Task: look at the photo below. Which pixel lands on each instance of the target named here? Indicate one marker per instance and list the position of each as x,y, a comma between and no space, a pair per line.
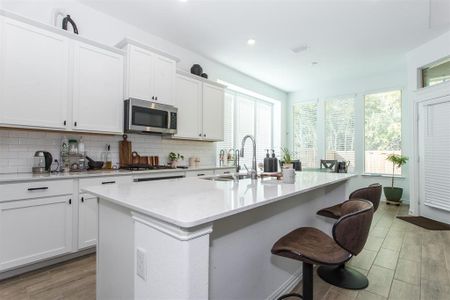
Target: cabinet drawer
199,173
35,189
86,182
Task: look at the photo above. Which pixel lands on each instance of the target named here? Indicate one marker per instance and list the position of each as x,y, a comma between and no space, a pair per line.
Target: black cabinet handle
65,122
75,124
108,182
82,199
153,97
156,98
204,135
201,174
70,201
38,188
226,172
199,134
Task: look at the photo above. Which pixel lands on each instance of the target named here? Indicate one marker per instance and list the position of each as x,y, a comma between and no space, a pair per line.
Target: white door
32,230
87,221
140,67
188,100
434,164
213,112
97,90
164,79
33,76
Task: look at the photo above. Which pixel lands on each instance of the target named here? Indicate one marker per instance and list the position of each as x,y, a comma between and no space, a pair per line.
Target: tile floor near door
402,261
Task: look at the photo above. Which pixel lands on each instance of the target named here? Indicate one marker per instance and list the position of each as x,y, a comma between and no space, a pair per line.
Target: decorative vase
196,70
174,164
393,194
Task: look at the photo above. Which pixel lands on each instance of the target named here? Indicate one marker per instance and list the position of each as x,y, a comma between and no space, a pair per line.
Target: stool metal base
343,277
290,295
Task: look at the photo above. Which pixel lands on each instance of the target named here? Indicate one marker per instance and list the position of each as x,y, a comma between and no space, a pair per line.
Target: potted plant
394,194
174,158
287,159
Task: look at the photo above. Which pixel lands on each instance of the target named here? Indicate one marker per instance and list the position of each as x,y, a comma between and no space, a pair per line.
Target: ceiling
348,39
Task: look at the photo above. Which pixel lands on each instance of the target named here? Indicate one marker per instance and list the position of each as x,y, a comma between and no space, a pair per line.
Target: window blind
305,133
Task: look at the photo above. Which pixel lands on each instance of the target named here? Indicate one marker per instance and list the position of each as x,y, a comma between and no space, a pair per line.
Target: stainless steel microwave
143,116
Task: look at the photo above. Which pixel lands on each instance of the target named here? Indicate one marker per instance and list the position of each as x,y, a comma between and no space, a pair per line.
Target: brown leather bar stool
371,193
312,246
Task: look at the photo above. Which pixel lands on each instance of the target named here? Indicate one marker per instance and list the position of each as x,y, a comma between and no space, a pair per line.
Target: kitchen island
197,238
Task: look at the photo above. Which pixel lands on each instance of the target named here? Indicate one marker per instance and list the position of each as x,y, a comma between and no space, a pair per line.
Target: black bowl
196,70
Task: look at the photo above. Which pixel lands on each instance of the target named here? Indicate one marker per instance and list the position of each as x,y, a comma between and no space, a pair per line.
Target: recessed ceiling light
251,42
314,63
300,48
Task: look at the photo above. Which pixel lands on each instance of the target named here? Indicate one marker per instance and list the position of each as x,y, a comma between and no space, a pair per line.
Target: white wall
427,53
396,79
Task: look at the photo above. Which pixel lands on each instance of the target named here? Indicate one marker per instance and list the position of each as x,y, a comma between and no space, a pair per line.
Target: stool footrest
290,295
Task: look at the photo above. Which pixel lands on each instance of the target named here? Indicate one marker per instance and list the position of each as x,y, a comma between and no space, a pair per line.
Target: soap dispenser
273,162
267,162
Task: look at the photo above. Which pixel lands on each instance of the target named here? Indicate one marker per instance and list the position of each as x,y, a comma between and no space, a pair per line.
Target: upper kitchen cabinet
97,89
34,64
200,104
150,73
53,79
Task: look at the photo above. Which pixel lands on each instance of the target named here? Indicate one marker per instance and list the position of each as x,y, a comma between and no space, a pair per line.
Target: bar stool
371,193
312,246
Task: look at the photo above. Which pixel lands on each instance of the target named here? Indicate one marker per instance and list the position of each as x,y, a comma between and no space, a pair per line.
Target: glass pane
228,143
263,129
382,131
142,116
305,134
438,73
245,124
340,130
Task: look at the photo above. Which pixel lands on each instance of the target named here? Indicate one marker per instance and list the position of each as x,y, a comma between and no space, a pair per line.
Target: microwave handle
169,119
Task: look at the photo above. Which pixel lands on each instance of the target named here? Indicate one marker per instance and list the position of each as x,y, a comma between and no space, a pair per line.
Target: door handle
75,124
38,188
108,182
82,199
70,201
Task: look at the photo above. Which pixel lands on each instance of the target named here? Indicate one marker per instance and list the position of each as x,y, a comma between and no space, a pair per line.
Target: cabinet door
188,95
140,66
97,90
33,76
164,79
213,112
36,229
87,221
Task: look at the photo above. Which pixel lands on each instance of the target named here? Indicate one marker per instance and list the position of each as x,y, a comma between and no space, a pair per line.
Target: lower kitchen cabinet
87,221
34,229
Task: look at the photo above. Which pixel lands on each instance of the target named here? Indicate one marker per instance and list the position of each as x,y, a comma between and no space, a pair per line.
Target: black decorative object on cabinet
196,70
68,19
204,75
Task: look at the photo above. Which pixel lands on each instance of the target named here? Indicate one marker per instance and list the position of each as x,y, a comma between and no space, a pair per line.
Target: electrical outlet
141,263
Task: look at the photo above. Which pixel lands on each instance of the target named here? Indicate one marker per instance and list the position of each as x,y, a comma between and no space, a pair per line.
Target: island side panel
115,248
242,266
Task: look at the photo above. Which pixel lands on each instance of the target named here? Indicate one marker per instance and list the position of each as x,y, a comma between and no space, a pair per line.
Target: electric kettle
42,162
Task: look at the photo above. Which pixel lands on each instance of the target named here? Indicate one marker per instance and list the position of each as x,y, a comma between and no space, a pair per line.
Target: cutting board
125,151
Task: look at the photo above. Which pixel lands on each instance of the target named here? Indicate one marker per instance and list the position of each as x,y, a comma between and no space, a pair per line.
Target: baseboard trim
44,263
287,286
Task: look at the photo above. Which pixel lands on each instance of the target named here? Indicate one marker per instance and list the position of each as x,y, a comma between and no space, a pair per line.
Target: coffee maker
42,162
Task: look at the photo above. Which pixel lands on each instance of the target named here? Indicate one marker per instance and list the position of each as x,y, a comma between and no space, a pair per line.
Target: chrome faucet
236,160
221,157
253,173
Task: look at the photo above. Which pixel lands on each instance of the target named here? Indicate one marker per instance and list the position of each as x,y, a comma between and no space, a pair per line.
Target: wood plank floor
402,261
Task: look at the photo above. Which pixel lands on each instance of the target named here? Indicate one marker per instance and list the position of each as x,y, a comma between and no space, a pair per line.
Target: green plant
287,155
175,156
397,160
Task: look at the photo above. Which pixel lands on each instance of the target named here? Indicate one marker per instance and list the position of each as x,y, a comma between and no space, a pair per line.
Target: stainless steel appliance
143,116
42,162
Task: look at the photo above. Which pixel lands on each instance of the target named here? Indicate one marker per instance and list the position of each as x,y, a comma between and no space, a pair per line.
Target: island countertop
190,202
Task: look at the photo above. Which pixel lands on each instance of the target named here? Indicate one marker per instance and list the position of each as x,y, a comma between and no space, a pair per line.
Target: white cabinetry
34,86
87,221
50,79
150,73
97,89
200,109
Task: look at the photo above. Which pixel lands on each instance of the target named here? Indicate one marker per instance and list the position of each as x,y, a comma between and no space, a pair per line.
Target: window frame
380,91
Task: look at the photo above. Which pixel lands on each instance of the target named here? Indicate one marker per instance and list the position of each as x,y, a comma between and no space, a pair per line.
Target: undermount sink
226,177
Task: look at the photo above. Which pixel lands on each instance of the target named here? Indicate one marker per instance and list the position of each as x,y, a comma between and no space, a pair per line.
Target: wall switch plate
141,263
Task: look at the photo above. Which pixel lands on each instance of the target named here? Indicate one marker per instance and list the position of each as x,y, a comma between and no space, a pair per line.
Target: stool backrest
352,229
371,193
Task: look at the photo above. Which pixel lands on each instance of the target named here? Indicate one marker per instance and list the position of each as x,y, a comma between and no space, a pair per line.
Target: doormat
425,223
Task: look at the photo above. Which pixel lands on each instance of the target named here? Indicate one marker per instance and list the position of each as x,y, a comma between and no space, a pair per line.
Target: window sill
383,175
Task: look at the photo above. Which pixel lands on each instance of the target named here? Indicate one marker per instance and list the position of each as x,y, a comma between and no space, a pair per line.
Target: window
436,73
340,130
382,131
305,133
245,114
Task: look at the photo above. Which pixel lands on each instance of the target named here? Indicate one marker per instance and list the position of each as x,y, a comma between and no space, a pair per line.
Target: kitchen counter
23,177
205,239
190,202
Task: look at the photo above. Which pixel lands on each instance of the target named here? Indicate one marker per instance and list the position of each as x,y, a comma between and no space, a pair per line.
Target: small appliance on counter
42,162
73,156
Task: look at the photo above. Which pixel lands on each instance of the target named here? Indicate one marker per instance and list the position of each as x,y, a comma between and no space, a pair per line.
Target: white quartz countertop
23,177
190,202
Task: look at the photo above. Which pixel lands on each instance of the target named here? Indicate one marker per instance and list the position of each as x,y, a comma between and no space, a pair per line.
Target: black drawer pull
38,188
226,172
70,201
108,182
201,174
82,199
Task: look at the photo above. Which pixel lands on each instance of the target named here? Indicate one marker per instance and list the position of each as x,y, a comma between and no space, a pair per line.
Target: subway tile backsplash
17,147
